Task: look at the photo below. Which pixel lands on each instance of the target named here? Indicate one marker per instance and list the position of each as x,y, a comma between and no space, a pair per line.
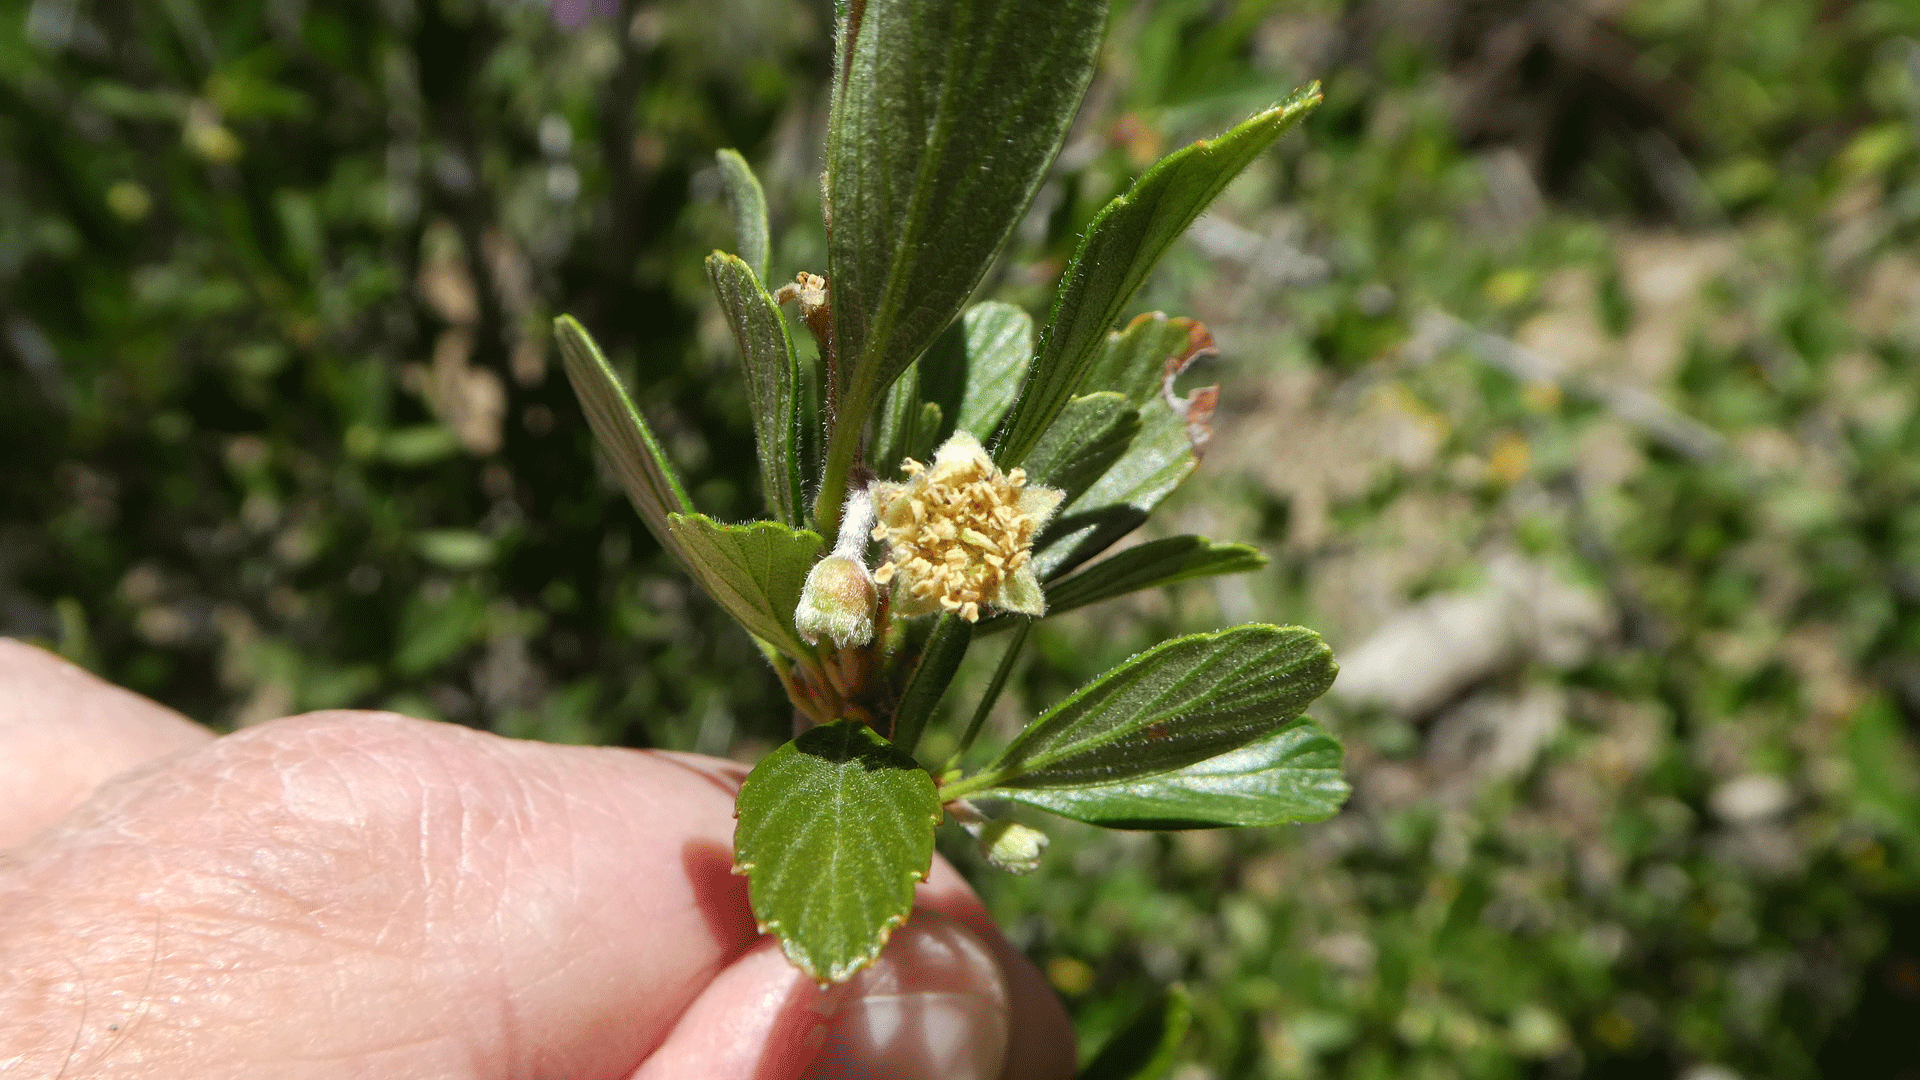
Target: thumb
935,1004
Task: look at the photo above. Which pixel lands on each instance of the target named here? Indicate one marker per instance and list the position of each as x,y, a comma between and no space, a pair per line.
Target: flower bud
1011,846
837,601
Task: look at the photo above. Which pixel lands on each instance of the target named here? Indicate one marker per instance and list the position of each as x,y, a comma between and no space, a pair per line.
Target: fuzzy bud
837,601
1011,846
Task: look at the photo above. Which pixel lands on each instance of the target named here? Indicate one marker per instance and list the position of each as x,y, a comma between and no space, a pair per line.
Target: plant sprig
946,117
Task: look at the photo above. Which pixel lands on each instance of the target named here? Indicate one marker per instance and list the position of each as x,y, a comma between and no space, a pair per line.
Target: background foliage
1566,375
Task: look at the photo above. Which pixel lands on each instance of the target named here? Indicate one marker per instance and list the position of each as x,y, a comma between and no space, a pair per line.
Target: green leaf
754,571
1288,777
1133,361
898,414
1885,788
1149,566
623,435
939,662
909,427
1121,246
1022,626
945,120
1179,702
418,444
125,101
433,632
1093,432
1158,459
766,353
1072,539
973,370
810,391
999,347
455,549
749,206
926,432
835,829
1144,1049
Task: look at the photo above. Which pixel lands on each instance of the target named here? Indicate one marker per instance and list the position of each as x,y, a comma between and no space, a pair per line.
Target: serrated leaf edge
789,946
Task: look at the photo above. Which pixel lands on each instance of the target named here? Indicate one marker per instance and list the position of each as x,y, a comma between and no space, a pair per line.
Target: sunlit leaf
973,370
1092,433
1156,461
766,353
1122,245
755,572
946,117
622,433
418,444
120,100
1133,361
749,206
1179,702
1149,566
1290,776
836,827
455,549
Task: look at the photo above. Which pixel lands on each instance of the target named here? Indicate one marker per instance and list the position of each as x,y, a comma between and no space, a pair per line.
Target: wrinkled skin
363,895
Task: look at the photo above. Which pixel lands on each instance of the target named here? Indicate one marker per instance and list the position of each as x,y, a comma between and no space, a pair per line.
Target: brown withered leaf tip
1196,409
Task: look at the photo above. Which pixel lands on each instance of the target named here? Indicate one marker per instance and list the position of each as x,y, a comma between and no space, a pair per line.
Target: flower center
954,532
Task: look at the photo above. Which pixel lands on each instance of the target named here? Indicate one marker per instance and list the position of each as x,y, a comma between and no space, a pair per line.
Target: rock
1751,798
1493,737
1430,652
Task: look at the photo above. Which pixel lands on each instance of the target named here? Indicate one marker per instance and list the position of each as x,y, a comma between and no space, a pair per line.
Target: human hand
360,894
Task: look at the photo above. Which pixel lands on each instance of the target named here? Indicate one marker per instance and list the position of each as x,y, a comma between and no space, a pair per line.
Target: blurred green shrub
1542,290
279,423
248,410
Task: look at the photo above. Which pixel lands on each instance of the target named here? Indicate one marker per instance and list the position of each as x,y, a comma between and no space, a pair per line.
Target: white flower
959,534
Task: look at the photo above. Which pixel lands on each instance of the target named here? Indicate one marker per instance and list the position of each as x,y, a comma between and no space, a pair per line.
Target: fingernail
932,1035
933,1007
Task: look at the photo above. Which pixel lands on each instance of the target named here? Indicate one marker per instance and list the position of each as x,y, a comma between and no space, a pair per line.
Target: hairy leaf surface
973,370
836,827
622,434
946,117
1155,463
766,354
1149,566
754,571
1290,776
1133,360
1092,434
1179,702
748,202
